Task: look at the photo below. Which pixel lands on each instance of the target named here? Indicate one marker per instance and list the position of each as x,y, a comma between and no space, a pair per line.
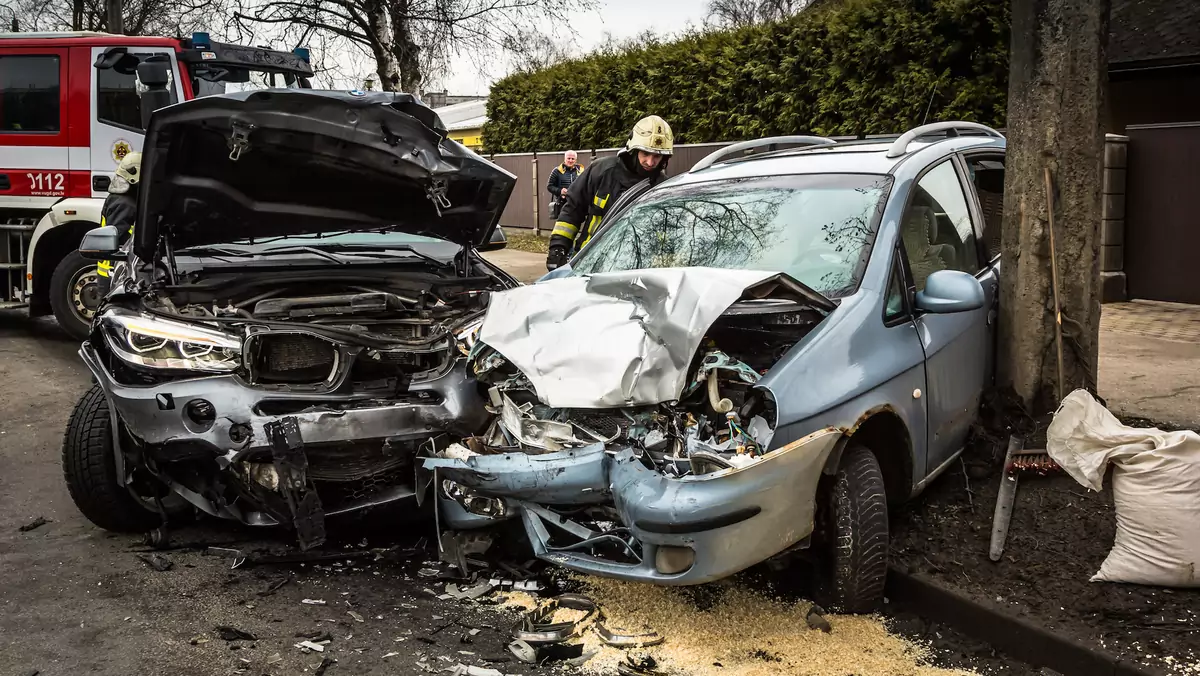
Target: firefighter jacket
562,177
119,210
588,198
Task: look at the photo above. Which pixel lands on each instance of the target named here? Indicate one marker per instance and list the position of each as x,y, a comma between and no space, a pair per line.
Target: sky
621,18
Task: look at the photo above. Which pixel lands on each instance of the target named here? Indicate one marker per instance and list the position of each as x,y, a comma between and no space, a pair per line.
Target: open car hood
288,162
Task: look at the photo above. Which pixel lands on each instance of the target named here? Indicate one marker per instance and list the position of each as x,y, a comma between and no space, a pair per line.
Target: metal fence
528,207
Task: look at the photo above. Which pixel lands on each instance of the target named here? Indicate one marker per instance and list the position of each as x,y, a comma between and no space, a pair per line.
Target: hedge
850,67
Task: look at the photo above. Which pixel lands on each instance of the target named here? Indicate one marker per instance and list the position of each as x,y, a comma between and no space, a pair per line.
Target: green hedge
850,67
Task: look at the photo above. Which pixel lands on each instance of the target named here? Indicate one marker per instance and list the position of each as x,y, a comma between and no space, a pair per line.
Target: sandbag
1156,490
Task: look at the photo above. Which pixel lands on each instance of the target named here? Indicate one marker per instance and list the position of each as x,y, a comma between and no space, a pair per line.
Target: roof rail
717,156
951,128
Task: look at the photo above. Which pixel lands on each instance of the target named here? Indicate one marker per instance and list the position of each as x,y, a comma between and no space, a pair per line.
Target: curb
1018,637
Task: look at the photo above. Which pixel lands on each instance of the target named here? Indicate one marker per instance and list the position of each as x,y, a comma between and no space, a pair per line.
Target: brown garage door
1162,227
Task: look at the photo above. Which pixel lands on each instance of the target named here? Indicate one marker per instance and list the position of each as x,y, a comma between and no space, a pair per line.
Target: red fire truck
69,111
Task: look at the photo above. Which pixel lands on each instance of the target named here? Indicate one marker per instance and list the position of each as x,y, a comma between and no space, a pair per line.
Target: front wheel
856,547
91,471
75,294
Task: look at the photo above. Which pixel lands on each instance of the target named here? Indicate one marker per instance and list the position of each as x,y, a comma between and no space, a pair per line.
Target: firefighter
120,209
644,156
560,179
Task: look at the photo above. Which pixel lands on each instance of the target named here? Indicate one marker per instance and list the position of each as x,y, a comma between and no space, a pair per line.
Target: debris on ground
227,633
326,662
356,616
816,619
461,669
315,636
274,658
157,562
311,645
312,602
36,523
275,586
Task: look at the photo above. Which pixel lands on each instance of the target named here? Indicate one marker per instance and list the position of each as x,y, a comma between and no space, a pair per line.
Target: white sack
1156,490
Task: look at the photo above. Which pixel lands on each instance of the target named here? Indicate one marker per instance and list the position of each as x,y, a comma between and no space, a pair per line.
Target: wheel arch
882,431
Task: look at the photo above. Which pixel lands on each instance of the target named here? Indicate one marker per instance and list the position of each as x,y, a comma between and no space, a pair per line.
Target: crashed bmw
750,362
290,321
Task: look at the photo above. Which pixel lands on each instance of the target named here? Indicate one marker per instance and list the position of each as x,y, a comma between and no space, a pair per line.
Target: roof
466,115
1146,33
83,39
855,157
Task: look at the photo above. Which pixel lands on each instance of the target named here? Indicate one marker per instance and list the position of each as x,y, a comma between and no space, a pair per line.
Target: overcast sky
621,18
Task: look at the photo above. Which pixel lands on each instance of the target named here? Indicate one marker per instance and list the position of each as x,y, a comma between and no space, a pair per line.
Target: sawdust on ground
746,634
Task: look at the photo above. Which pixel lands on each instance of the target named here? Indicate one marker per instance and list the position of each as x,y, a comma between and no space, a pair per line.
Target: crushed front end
279,405
633,442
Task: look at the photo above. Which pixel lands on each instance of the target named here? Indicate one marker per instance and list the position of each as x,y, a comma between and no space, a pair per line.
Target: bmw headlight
164,344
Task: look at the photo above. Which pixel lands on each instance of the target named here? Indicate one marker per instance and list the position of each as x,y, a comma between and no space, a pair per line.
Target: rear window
29,94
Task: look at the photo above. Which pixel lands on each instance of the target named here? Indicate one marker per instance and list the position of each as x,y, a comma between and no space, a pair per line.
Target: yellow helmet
129,173
653,135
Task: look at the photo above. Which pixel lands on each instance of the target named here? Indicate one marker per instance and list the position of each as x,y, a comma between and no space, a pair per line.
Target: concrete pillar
1112,224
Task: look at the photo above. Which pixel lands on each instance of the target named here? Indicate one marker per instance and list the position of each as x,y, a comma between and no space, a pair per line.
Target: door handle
100,183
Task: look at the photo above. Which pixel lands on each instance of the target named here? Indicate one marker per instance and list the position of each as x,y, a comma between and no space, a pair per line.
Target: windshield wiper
392,251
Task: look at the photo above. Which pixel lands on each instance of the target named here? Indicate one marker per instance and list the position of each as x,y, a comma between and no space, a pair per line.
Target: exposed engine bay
333,377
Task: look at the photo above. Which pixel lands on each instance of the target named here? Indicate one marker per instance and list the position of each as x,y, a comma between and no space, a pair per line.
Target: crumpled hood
289,162
618,339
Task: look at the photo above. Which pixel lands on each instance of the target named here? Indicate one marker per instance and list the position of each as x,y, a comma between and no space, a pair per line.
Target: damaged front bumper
359,448
673,530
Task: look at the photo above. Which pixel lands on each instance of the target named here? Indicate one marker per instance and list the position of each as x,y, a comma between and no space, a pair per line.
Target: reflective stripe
601,201
103,268
565,229
591,229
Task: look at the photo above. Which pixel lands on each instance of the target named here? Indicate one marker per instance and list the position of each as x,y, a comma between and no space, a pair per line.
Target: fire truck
70,109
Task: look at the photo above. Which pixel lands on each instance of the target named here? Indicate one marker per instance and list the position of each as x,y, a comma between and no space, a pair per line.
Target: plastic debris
312,602
157,562
356,616
315,647
317,636
461,669
36,523
275,658
325,664
538,628
226,633
621,639
816,619
523,651
390,655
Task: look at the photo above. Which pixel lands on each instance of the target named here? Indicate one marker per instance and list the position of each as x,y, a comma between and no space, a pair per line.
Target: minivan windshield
817,228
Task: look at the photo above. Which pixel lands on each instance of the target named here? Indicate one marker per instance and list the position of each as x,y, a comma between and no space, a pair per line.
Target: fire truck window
117,101
29,94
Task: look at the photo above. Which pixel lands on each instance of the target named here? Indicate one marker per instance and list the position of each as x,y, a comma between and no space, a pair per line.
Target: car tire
857,546
73,271
91,473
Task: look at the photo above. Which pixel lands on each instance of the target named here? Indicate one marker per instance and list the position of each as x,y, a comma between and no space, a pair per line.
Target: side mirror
949,291
498,241
102,244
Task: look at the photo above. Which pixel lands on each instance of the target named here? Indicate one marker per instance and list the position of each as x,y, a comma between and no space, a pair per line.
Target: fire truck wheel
75,294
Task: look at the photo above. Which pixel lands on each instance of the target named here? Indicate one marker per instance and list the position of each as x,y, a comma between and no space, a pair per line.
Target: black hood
288,162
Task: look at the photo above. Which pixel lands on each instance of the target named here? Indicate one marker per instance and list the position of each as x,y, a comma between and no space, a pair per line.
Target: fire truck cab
70,109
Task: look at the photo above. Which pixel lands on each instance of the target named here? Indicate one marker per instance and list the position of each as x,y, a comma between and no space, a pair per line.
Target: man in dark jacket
561,179
120,209
644,156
